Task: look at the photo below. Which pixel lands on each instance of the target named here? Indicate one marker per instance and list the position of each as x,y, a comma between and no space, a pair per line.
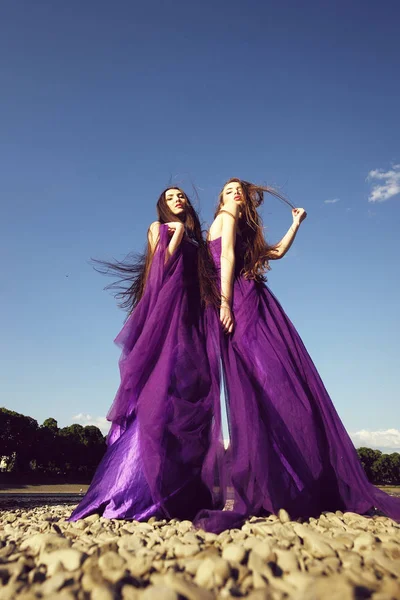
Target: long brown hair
258,252
134,269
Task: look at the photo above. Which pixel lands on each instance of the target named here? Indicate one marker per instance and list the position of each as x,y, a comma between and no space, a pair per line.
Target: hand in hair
299,214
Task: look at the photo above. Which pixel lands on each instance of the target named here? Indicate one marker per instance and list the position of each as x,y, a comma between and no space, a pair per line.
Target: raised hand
175,226
298,214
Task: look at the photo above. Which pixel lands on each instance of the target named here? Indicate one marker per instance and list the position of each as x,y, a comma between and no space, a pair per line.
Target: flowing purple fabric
162,414
288,447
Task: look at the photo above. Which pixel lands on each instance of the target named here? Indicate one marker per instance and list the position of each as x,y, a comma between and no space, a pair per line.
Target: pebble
234,553
334,556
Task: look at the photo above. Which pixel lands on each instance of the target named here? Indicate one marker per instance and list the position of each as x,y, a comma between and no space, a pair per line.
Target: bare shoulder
226,218
153,234
230,208
155,227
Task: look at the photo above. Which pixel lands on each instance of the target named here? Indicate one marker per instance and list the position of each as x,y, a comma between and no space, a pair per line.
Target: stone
299,581
286,560
128,592
139,565
364,541
264,594
111,560
185,526
314,542
67,558
187,589
55,583
283,516
377,557
213,572
44,542
186,550
93,579
264,549
334,588
65,594
234,553
102,593
159,592
256,564
112,566
131,543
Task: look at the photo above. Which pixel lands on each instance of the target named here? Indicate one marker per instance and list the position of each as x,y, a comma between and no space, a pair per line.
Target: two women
288,447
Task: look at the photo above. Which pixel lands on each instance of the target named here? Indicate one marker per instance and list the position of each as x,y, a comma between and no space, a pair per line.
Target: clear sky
103,104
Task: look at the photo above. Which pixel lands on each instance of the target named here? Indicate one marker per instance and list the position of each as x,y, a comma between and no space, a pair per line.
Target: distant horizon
359,438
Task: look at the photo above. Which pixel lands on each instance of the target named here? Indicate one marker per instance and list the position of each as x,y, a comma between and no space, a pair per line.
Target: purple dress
162,414
288,446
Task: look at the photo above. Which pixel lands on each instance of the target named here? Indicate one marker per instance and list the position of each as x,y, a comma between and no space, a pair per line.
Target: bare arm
281,248
153,235
229,217
175,230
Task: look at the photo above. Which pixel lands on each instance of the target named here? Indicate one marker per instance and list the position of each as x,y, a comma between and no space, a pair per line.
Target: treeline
381,469
27,448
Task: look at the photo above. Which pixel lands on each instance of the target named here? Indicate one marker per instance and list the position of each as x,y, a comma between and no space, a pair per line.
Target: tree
25,447
51,424
18,435
395,459
368,457
382,470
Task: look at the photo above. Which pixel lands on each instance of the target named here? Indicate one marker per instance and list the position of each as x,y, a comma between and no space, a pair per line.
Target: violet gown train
289,448
162,414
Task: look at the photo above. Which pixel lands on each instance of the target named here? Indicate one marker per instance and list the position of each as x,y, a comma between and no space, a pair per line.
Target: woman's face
176,201
233,191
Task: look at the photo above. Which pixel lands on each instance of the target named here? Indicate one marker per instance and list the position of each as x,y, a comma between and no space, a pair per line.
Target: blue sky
103,104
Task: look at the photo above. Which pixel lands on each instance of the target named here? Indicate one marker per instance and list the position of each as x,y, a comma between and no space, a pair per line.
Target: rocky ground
338,556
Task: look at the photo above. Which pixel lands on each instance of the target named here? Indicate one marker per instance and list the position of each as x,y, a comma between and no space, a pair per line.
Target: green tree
72,450
395,467
51,424
382,470
368,457
18,436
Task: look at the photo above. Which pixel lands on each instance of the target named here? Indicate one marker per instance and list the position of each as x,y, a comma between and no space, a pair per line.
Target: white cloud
333,201
384,438
388,186
85,419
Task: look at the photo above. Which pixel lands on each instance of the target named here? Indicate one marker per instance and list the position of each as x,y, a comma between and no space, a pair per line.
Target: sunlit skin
176,201
233,192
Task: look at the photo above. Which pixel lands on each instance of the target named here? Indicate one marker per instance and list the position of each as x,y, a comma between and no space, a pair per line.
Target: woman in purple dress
288,447
162,414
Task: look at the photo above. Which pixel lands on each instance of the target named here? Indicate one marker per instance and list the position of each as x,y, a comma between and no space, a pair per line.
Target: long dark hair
134,269
257,251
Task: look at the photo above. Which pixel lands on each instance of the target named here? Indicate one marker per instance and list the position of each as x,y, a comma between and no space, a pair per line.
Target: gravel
341,556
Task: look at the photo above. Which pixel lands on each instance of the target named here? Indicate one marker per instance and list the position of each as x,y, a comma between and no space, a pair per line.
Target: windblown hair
134,270
258,252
